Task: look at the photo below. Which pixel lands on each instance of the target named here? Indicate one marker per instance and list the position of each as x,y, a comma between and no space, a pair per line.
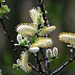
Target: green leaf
2,1
39,19
4,11
39,10
15,66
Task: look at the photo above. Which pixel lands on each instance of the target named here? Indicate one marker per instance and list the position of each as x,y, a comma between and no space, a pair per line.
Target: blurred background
61,13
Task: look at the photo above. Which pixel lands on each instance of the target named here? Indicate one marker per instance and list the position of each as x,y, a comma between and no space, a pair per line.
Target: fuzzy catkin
24,62
42,42
47,30
34,14
26,30
67,37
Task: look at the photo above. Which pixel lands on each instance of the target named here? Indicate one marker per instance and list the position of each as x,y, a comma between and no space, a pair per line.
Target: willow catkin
67,37
47,30
24,62
26,29
34,14
42,42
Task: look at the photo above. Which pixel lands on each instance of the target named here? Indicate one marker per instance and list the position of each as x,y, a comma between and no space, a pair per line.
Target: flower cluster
32,36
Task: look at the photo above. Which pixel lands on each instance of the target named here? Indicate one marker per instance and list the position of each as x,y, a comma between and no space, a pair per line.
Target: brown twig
64,65
33,67
40,4
47,68
9,37
72,52
42,53
47,58
39,67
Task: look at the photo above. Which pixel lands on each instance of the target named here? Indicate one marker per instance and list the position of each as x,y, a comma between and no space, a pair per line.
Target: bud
18,61
49,53
55,52
34,49
19,38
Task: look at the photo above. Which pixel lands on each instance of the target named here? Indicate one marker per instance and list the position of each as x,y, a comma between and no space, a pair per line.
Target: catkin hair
67,37
25,29
42,42
24,62
47,30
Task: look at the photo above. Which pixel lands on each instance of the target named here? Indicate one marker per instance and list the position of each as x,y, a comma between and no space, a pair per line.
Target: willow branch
8,35
12,43
39,65
40,4
33,67
46,58
64,65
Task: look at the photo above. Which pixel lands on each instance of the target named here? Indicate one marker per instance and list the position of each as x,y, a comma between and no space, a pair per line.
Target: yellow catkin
47,30
26,29
42,42
34,14
67,37
24,62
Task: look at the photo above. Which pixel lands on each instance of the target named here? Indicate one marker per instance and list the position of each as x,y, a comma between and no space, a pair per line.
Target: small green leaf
15,66
4,11
32,39
2,1
49,59
39,9
39,19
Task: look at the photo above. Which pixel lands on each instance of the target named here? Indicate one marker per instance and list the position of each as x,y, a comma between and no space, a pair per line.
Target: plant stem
9,37
64,65
39,67
47,68
40,4
33,67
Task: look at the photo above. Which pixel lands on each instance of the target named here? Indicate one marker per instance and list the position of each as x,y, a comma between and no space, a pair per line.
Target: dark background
60,13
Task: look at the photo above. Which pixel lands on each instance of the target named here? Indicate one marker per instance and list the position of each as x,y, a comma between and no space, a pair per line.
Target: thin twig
40,4
42,53
39,65
33,67
72,53
9,37
47,68
64,65
47,59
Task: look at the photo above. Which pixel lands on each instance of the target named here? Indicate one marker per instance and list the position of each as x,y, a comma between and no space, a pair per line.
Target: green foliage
2,1
4,11
39,19
25,42
16,66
